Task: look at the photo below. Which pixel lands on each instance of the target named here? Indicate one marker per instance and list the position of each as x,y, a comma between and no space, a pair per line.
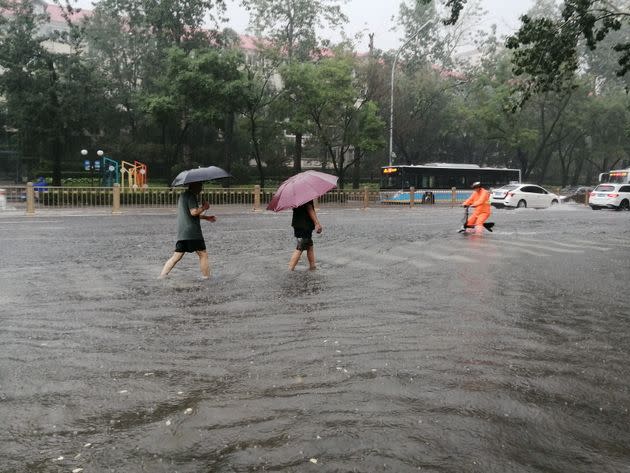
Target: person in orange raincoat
480,200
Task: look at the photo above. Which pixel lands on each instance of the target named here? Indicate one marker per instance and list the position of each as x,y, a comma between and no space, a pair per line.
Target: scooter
487,225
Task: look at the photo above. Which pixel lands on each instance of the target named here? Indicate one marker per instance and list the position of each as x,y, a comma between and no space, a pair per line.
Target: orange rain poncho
480,200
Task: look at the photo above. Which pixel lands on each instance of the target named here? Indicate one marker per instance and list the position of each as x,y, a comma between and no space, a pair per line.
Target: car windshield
604,188
507,188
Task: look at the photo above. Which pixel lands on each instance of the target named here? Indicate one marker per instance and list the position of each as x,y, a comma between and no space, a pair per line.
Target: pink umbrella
300,189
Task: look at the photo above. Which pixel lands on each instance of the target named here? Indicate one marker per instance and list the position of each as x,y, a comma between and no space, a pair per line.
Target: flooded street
411,348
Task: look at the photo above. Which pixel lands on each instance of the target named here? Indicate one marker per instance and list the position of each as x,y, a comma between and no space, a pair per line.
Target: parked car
610,196
523,195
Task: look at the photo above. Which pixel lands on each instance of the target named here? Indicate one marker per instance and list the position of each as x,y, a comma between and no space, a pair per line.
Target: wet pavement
411,348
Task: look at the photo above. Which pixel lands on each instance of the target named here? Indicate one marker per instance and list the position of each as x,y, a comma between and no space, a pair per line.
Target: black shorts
304,244
304,238
302,233
189,246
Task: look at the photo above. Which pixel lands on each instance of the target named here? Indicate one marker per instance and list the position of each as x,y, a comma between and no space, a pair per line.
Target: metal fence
32,198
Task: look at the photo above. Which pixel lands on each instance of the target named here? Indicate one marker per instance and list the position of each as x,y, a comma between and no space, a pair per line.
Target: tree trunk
577,171
356,169
543,171
56,149
228,141
256,150
297,158
521,157
341,171
187,154
180,143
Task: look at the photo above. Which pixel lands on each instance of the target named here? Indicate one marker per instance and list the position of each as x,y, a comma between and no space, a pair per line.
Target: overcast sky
375,16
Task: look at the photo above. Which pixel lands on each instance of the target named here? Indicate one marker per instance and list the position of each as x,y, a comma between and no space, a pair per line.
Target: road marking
507,245
29,220
544,245
346,261
610,241
383,258
433,253
572,245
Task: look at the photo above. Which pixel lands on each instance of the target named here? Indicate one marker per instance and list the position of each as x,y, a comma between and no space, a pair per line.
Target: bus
616,176
439,179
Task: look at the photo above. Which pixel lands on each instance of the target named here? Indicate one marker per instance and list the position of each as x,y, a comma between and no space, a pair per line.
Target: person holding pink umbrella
304,221
298,193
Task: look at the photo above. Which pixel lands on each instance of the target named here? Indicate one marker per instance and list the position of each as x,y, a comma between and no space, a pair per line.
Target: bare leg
310,254
170,263
204,263
295,257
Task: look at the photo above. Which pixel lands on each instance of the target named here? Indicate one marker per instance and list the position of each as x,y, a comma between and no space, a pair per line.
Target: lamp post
391,104
90,165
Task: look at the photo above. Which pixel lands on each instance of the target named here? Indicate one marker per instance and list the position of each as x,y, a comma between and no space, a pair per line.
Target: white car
523,195
610,196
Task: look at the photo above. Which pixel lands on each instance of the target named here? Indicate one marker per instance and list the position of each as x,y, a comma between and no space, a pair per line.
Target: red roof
56,14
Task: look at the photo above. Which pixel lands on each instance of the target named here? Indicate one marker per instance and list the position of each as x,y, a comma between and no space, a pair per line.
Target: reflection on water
409,349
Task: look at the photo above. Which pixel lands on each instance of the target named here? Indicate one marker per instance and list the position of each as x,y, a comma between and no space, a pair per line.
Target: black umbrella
199,175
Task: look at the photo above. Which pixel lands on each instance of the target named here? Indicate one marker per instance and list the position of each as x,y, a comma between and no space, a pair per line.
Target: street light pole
92,165
391,103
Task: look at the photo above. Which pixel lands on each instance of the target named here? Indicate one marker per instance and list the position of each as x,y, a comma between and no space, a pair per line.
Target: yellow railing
32,198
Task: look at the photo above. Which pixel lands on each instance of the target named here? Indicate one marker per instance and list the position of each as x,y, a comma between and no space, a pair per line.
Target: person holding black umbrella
189,236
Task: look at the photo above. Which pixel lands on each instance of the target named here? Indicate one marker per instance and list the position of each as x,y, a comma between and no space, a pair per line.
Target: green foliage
51,96
292,24
330,95
143,80
428,40
546,48
199,85
198,88
261,92
454,7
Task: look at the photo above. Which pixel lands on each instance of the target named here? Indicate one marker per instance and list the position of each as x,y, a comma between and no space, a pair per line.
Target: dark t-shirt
188,227
301,219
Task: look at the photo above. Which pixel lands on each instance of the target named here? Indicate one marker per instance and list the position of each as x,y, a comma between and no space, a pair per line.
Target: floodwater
411,348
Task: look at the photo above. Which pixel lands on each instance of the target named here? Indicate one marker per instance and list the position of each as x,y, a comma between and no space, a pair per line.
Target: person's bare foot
312,268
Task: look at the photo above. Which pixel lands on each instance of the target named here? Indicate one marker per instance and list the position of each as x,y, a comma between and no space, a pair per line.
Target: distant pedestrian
304,222
189,235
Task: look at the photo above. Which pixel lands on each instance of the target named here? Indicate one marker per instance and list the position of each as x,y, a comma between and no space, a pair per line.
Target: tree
261,92
198,87
423,109
291,27
345,123
51,97
453,7
129,41
546,48
436,44
165,23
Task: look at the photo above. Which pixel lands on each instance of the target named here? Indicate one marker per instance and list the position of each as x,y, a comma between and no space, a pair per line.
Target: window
624,189
604,188
530,189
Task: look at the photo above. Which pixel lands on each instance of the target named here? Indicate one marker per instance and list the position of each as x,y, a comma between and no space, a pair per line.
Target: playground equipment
109,172
135,173
141,177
